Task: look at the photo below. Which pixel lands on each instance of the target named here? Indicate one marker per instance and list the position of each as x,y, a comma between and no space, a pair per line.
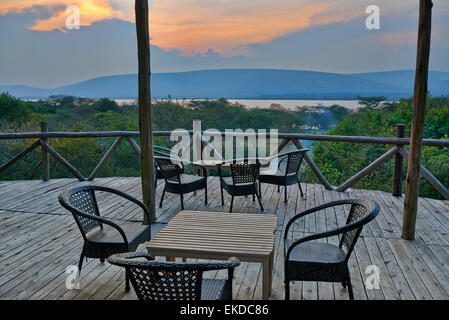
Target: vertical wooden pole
45,160
398,163
197,142
419,112
144,101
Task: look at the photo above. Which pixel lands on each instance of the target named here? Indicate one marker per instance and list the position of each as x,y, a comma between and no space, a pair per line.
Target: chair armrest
104,221
127,197
125,259
321,235
281,159
313,210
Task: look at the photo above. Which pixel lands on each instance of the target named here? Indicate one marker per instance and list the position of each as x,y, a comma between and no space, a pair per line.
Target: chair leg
127,287
162,198
182,201
285,193
254,196
80,264
232,203
279,188
351,294
300,189
155,185
260,202
102,260
205,194
222,199
260,187
287,290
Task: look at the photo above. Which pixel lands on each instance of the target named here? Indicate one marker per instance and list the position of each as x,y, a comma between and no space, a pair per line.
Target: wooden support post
45,159
144,101
419,113
398,163
197,141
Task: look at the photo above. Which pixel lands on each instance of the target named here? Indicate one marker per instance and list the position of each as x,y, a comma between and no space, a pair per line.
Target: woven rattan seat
103,237
307,260
242,182
317,252
189,178
176,181
154,280
110,235
213,289
285,176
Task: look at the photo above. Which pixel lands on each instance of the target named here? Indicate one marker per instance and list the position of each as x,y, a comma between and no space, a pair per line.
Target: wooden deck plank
40,239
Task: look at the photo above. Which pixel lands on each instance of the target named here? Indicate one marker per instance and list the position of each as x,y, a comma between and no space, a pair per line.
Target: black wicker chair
153,280
103,237
307,260
161,152
176,181
288,175
242,182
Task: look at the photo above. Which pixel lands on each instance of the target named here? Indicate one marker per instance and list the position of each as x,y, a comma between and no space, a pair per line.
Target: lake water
288,104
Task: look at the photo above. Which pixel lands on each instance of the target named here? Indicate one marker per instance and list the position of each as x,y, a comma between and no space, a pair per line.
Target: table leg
271,270
266,277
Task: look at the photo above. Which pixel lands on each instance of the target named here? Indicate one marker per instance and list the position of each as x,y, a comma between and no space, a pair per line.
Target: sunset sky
320,35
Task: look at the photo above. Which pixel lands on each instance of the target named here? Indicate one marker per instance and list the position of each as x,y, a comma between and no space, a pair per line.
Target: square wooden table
219,236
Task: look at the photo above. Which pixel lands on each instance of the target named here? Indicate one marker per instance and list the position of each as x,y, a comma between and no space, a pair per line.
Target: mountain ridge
247,84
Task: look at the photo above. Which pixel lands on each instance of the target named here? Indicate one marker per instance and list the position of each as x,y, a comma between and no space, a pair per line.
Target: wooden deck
39,240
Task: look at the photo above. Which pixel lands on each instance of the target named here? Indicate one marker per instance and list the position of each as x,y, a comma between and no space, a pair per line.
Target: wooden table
219,236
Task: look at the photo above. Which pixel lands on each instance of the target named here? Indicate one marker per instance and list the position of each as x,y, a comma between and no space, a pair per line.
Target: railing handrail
300,136
397,151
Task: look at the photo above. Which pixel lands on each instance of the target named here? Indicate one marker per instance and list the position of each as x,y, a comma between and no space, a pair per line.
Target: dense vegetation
77,114
338,161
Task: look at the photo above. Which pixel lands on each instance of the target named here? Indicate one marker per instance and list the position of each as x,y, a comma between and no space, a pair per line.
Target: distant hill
438,81
247,84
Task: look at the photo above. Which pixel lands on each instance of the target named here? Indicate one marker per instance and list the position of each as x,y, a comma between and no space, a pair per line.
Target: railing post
197,143
398,163
45,159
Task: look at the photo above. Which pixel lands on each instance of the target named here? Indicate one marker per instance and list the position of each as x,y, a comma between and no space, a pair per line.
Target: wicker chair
307,260
161,152
242,182
288,175
103,237
153,280
176,181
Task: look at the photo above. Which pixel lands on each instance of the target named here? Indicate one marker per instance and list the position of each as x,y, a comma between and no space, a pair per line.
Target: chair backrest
294,160
79,201
169,170
154,280
360,213
244,172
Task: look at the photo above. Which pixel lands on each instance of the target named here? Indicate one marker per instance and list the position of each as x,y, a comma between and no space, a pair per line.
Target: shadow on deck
40,240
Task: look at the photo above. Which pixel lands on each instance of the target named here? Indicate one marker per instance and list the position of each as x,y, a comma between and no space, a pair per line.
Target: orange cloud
90,11
194,26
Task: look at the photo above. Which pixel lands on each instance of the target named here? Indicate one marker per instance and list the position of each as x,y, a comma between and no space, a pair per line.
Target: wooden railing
397,152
